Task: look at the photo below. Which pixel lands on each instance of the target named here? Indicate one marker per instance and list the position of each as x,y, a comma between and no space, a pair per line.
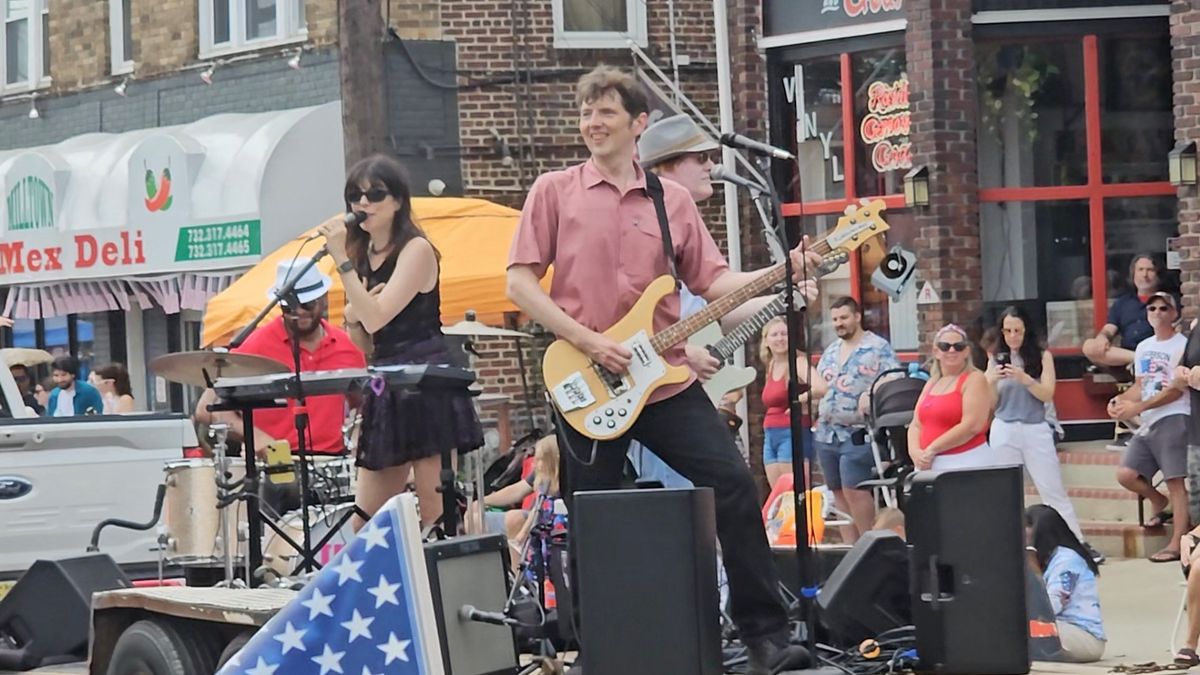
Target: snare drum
191,519
279,555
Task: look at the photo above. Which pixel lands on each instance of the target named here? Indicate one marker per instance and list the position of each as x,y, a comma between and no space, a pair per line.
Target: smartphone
1003,359
279,463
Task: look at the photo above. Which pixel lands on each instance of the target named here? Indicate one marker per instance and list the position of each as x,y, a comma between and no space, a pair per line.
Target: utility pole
361,33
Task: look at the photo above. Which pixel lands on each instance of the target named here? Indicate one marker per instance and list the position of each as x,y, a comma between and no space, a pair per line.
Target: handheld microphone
720,172
757,147
469,613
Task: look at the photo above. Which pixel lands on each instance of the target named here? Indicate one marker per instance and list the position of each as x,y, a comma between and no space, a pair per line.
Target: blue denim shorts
845,463
777,445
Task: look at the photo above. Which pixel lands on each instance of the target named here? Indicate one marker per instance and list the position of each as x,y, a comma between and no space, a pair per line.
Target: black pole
802,480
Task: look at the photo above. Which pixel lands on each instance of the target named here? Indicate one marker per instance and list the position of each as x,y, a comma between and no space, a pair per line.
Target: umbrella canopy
22,356
472,235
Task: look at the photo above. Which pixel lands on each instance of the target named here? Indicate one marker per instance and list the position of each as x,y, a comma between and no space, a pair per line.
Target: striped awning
171,292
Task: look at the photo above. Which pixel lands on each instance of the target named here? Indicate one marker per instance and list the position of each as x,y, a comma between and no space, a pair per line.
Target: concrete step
1088,446
1089,469
1121,540
1115,505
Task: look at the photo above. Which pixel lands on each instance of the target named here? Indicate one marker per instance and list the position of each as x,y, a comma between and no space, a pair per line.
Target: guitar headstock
860,224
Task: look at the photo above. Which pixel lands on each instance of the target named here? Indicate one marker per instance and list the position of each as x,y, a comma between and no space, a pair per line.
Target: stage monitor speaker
46,616
967,536
868,592
471,571
646,568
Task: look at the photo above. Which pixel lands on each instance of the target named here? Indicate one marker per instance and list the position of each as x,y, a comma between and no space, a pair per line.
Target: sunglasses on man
309,307
1158,308
947,346
374,195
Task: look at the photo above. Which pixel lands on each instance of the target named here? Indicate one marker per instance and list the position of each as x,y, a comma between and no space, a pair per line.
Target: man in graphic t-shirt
1160,444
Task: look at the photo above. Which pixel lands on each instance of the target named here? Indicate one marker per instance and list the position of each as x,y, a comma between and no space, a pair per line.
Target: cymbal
22,356
477,329
189,367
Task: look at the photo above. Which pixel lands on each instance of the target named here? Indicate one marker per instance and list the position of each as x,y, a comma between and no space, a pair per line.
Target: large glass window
598,24
237,25
814,89
1133,226
1032,127
1137,124
24,45
882,119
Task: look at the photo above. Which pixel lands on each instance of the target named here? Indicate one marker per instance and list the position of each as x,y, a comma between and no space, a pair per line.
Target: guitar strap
654,188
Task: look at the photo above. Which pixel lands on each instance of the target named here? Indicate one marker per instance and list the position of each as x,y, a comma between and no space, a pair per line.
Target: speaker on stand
45,618
967,534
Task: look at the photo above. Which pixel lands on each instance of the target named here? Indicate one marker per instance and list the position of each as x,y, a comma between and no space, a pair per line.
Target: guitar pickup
615,384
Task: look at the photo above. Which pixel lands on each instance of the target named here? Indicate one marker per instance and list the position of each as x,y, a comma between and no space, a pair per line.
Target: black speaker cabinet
646,568
967,534
868,592
44,619
471,571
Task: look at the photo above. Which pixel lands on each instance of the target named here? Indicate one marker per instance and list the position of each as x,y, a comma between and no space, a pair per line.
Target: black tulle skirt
401,426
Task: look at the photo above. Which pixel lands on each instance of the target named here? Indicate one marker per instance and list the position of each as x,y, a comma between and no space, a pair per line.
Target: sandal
1159,519
1165,555
1187,657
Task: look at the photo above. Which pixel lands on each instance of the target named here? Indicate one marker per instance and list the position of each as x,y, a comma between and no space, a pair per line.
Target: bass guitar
603,405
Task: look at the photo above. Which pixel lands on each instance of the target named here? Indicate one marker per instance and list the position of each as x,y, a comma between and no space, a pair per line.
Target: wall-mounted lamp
1181,163
120,89
33,111
916,186
294,62
206,75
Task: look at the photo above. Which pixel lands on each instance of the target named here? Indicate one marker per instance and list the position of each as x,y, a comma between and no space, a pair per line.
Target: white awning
161,209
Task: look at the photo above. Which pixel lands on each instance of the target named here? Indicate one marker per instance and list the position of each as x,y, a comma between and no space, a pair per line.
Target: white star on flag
367,671
318,604
348,569
358,626
394,649
329,660
291,638
262,668
384,593
375,535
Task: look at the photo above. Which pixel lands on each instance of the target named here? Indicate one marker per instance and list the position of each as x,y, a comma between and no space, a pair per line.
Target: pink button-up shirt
606,247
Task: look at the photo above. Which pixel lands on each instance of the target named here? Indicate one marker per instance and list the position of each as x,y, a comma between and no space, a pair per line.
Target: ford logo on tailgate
12,487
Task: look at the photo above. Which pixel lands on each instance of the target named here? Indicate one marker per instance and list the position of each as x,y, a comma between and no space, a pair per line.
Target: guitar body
597,406
729,378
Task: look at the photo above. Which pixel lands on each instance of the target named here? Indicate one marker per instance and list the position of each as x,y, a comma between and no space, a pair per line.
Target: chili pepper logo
158,191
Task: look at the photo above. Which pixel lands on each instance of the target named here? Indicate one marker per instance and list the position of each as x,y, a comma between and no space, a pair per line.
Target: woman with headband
949,430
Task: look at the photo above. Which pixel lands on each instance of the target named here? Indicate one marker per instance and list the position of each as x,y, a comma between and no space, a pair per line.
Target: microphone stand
300,415
806,598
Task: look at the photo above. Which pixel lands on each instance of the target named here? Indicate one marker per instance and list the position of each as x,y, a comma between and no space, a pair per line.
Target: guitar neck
747,329
680,331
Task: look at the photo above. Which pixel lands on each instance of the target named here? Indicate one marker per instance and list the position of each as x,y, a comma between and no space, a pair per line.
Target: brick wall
79,54
941,71
166,34
1185,48
416,19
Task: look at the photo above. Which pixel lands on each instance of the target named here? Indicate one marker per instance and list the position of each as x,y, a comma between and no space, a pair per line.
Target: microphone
740,141
720,172
348,219
469,613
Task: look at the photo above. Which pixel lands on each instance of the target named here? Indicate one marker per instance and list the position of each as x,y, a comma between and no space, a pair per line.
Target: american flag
366,613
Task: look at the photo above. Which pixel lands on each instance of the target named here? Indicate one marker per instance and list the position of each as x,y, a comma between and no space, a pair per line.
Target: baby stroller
892,403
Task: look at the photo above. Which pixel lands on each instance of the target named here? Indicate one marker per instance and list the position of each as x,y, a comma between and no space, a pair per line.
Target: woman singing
390,274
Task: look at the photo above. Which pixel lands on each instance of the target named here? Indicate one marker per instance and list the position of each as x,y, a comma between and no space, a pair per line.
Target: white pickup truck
61,476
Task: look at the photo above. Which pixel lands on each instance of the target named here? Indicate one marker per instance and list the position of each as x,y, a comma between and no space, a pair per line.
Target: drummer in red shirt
323,346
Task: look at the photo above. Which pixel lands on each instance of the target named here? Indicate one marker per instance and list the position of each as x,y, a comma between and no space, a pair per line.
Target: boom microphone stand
804,555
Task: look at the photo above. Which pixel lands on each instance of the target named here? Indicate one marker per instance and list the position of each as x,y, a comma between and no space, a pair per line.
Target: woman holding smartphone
1022,378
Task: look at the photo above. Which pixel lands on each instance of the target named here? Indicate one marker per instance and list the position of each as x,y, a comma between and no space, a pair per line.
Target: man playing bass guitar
597,223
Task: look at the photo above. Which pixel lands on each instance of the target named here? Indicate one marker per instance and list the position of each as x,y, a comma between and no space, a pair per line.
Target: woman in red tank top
949,430
777,423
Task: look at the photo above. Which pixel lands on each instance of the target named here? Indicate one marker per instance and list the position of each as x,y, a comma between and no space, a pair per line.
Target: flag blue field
367,613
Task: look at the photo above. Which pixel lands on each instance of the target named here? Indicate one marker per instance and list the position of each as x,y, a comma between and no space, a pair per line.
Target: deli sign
135,220
781,17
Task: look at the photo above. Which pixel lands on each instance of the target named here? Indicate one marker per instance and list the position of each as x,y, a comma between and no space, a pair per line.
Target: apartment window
120,20
240,25
25,52
599,24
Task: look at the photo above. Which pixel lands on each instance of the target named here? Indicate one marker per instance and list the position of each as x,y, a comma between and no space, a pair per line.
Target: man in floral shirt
847,369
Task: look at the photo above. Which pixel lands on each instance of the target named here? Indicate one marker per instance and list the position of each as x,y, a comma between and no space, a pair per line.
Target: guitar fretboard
739,336
680,331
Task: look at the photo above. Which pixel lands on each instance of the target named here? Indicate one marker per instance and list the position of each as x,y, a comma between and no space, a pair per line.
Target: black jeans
686,432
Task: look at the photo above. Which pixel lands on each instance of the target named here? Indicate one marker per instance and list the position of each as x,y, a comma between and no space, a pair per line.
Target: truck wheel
151,647
235,645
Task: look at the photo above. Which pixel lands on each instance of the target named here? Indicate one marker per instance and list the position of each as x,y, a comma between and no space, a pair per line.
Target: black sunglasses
956,346
1158,308
309,306
702,157
374,195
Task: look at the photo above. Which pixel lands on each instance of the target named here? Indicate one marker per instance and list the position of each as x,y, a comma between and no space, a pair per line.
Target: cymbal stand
228,526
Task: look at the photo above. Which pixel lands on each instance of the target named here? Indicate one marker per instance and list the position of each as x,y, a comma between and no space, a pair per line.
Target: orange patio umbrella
472,235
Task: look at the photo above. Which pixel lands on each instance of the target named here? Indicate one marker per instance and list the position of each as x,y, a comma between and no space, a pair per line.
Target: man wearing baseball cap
1160,444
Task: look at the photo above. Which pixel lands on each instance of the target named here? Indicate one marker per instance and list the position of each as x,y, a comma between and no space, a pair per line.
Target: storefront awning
472,235
161,209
